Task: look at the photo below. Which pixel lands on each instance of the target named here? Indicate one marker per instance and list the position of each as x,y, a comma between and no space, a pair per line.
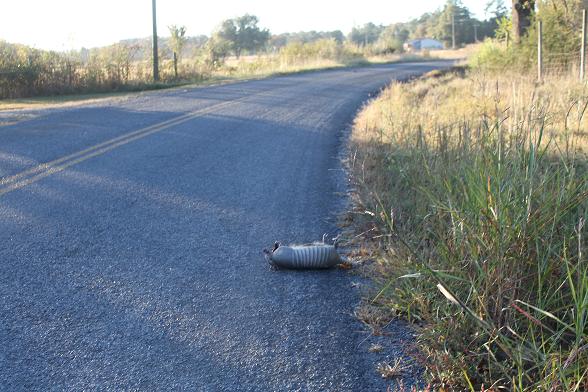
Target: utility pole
475,33
583,50
453,30
155,50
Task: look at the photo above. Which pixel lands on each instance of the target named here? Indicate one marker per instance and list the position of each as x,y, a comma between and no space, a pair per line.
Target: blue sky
71,24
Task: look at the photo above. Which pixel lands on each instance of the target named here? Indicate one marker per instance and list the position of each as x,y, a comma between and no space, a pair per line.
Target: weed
376,348
391,370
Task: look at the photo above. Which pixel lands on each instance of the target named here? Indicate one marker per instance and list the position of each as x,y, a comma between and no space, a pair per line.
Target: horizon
65,25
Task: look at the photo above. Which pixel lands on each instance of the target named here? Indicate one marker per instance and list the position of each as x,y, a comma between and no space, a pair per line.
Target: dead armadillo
315,256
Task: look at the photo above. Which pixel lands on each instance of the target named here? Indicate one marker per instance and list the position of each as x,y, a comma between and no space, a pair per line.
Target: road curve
131,235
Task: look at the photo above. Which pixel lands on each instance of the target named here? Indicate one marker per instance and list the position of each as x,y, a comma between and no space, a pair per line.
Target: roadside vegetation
28,72
238,48
472,200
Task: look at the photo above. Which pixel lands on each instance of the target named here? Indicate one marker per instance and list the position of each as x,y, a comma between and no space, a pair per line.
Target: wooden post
155,50
540,51
453,30
175,65
583,50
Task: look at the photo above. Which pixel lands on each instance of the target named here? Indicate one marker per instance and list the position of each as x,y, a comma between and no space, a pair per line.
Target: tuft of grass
376,348
391,369
479,192
374,317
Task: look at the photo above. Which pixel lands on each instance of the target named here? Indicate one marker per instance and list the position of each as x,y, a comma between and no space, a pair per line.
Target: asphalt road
131,233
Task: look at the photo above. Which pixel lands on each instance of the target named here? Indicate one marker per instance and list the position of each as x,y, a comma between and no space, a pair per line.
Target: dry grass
234,70
478,190
376,318
391,370
58,101
376,348
461,53
446,102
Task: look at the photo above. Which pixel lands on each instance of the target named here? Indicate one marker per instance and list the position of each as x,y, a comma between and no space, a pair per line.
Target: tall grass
479,188
29,72
26,71
296,57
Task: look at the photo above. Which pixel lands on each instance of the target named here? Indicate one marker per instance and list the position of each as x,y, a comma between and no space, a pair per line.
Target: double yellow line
43,170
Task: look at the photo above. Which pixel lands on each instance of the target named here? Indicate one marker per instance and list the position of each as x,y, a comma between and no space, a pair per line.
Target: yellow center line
158,126
41,171
36,173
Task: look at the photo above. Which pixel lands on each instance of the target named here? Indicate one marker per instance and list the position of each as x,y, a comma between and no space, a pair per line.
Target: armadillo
315,256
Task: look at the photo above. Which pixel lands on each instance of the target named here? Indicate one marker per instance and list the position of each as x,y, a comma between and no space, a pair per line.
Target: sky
72,24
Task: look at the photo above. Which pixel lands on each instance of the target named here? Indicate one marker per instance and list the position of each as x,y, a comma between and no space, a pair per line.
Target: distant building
422,44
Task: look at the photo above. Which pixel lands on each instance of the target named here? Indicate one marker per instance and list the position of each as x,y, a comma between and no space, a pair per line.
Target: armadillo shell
306,257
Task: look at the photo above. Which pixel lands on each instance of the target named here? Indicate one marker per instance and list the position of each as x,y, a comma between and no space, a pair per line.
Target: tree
496,9
561,23
497,23
425,25
368,34
337,35
242,33
455,12
304,37
216,50
178,40
521,17
392,39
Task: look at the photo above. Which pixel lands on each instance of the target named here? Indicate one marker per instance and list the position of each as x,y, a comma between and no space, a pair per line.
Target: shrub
561,42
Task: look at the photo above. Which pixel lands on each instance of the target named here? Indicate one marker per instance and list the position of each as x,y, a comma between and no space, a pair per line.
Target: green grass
479,189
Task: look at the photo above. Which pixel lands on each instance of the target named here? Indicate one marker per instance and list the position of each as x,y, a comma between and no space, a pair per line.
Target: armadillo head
269,252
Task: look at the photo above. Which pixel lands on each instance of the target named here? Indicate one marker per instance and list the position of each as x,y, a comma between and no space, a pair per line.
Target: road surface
131,233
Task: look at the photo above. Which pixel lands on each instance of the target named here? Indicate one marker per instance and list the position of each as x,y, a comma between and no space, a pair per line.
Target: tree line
243,34
25,71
